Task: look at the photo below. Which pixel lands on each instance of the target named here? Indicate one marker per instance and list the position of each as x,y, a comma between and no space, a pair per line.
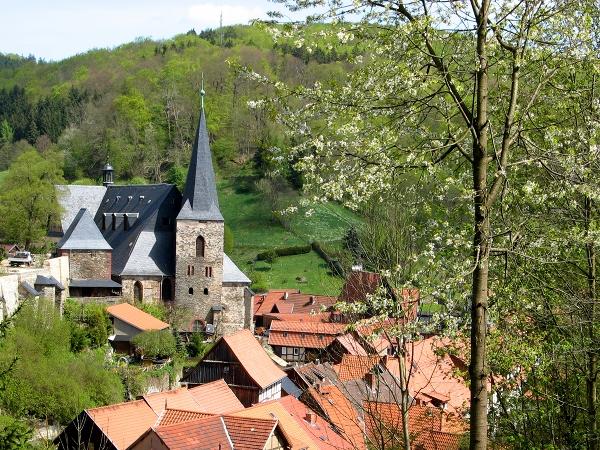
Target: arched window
200,244
167,290
138,292
205,291
191,291
197,326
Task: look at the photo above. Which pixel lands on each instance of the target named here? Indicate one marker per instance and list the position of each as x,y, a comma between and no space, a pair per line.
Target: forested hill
137,105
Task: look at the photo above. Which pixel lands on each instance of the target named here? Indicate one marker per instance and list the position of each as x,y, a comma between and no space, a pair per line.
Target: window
200,244
126,223
166,290
283,350
191,291
205,291
197,327
285,334
295,351
208,272
190,270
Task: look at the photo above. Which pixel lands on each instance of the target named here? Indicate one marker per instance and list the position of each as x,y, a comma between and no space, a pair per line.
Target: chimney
371,380
312,300
286,295
310,417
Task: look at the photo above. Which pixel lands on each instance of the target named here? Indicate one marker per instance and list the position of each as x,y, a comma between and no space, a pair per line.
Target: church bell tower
199,238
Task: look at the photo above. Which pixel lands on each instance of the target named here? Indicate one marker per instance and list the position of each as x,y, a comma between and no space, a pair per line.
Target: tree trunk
591,377
404,401
481,245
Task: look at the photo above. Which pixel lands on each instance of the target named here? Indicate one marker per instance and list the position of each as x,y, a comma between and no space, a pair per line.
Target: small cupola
107,175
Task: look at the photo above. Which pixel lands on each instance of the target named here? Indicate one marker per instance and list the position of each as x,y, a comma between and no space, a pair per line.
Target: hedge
283,251
334,264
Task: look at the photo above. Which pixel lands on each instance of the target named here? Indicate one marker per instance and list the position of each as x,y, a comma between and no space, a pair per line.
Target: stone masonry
89,264
195,290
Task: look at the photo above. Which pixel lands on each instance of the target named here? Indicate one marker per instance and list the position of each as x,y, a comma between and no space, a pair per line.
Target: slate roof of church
83,234
73,198
200,200
231,272
147,247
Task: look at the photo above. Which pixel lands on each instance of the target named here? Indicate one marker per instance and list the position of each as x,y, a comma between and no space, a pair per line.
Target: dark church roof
200,201
138,222
83,234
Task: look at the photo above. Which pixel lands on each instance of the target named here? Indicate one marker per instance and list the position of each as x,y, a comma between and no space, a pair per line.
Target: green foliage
197,347
259,282
156,343
177,175
14,434
89,323
270,255
84,182
154,309
228,239
28,198
47,380
138,180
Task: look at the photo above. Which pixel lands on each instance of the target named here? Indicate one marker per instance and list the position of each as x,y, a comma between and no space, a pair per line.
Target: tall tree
28,201
447,89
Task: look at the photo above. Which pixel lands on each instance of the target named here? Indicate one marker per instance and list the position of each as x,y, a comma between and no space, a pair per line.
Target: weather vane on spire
202,92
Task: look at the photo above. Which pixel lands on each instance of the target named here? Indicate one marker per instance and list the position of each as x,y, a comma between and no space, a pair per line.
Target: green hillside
137,106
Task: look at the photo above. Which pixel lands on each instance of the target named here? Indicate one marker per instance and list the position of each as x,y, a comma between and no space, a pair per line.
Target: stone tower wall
198,303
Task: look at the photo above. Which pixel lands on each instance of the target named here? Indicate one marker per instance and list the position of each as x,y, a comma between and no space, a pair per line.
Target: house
116,427
290,301
129,321
345,344
151,243
11,249
240,360
214,433
302,341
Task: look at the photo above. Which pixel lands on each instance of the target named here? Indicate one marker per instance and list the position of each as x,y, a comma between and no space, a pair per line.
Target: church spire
200,200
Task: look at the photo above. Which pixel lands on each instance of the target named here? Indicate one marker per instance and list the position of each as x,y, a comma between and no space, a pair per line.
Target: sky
56,29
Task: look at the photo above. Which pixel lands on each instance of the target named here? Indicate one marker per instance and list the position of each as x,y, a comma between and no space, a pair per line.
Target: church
151,243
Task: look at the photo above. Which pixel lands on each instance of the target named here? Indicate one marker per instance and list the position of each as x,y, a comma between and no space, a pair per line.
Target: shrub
89,324
259,282
154,309
14,434
271,255
156,343
196,346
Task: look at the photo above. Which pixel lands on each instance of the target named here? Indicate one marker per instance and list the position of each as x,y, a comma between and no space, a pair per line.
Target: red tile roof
136,317
216,398
293,432
309,327
358,285
319,430
351,345
340,413
354,367
172,416
296,302
206,433
384,423
253,358
248,433
175,399
304,334
123,423
299,317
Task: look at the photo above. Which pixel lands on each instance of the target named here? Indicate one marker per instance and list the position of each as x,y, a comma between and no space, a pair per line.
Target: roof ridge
226,432
126,402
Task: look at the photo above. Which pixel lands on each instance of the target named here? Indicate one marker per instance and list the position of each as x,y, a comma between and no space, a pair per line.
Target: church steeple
200,200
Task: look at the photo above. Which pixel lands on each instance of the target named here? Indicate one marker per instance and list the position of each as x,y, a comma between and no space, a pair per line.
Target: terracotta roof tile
293,432
248,433
253,357
320,431
172,416
309,327
299,317
175,399
296,302
340,412
354,367
358,285
290,339
216,398
384,423
206,433
123,423
136,317
351,345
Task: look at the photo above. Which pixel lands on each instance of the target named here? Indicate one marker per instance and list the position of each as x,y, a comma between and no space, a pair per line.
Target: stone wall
194,290
90,265
150,288
237,313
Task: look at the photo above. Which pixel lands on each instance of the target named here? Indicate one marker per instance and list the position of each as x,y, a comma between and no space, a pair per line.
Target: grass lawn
255,230
307,272
3,175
